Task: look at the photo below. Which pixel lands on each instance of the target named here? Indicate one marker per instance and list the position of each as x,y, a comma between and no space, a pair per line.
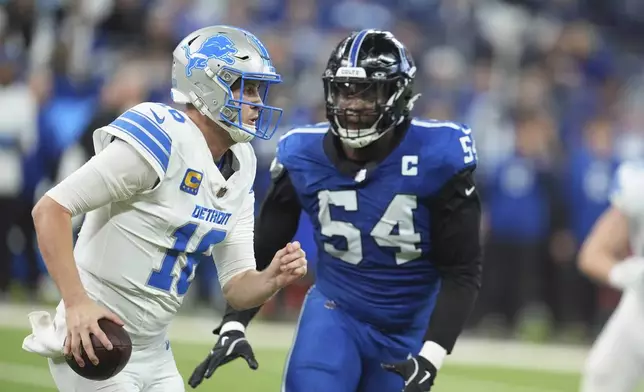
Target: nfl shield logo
222,191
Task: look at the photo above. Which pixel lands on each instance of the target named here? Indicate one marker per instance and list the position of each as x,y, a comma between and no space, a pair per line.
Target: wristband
232,326
434,353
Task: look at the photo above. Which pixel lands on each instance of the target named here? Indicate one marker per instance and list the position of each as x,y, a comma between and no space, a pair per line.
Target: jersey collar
333,150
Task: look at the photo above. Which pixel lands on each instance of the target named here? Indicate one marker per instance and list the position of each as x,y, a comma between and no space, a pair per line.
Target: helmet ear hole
198,103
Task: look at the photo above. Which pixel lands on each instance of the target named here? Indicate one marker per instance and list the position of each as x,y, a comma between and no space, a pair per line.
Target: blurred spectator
18,135
587,180
518,196
126,88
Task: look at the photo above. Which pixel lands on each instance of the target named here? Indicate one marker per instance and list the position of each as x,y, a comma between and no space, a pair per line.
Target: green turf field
24,372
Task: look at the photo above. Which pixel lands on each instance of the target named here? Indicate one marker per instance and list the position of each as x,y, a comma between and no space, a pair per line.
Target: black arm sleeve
275,226
456,251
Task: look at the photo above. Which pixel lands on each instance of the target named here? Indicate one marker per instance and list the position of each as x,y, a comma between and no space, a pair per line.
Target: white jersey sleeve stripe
156,143
144,140
146,117
152,128
316,129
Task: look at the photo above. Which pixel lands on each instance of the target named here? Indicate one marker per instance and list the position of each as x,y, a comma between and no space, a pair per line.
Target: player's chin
356,123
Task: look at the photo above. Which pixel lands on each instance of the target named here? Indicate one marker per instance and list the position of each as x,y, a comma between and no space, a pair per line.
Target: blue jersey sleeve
460,151
292,143
140,128
448,148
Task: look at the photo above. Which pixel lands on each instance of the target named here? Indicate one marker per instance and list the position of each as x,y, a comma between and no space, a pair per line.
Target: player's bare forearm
246,315
606,246
279,205
250,289
53,225
265,248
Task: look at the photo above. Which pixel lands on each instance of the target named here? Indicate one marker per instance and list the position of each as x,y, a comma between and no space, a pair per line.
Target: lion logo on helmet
216,47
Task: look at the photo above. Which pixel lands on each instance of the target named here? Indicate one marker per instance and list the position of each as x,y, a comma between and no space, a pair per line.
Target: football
110,362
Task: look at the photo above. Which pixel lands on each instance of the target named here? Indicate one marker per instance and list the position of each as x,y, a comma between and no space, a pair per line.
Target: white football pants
616,360
151,369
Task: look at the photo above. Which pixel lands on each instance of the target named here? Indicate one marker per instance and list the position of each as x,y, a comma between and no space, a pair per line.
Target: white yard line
470,351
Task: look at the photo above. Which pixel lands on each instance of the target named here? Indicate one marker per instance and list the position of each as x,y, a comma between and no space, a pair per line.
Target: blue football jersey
372,229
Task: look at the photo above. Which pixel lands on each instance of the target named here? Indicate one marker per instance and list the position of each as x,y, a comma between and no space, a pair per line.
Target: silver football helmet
205,66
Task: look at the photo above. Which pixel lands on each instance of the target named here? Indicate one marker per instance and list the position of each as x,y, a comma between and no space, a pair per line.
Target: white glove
627,274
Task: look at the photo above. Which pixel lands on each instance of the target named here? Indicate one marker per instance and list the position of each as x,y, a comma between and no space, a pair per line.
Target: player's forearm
279,205
264,255
607,245
250,289
264,251
53,225
597,264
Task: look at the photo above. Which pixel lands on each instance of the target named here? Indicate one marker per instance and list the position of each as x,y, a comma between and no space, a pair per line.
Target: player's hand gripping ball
111,362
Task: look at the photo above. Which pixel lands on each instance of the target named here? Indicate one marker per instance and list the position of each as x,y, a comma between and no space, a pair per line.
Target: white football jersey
628,197
138,256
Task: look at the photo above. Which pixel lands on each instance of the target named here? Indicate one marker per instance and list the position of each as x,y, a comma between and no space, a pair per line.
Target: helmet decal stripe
262,49
355,48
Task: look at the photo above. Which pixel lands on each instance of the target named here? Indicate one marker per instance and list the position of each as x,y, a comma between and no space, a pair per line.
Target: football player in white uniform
614,254
164,189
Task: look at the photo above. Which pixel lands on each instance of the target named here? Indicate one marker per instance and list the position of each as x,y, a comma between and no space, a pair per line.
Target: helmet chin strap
239,135
236,133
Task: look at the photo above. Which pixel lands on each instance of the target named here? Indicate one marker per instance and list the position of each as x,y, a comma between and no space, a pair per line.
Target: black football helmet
368,86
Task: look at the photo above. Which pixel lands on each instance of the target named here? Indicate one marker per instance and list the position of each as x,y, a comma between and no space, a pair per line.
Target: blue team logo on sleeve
216,47
191,181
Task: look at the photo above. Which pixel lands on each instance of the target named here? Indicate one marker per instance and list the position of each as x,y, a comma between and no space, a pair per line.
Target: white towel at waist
47,337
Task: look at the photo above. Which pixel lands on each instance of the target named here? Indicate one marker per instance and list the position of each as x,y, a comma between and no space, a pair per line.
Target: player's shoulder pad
301,135
295,141
451,142
626,192
147,127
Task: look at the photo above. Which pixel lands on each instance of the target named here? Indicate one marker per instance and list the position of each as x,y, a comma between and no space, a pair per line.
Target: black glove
418,373
230,345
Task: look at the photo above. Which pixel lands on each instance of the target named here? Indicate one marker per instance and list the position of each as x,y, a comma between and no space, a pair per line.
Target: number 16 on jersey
164,277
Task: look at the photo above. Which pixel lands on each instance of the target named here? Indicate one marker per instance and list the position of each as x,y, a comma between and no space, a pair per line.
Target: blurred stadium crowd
553,89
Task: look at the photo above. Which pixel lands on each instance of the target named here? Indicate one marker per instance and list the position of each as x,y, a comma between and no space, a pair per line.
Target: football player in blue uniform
396,217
